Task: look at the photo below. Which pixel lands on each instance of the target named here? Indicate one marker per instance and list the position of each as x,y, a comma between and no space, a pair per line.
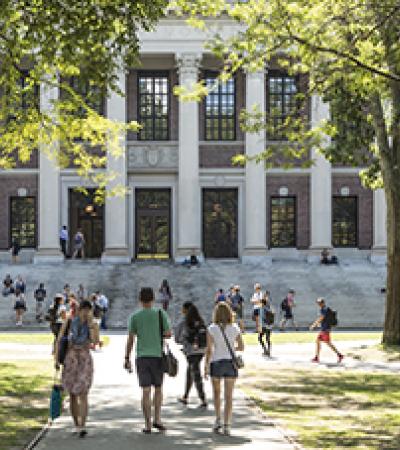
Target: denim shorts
223,368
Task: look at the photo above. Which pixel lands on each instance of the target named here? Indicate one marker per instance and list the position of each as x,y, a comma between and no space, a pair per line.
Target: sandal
159,427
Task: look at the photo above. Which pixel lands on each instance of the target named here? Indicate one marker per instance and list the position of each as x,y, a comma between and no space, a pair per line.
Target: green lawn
330,409
24,401
302,337
34,338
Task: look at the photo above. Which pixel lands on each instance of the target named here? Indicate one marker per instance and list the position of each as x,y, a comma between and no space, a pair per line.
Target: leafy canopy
350,50
54,43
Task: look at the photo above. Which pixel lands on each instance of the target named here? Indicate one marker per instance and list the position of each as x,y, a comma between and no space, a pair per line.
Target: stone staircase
353,288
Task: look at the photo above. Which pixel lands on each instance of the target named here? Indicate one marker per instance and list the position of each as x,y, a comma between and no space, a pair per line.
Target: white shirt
221,350
256,299
64,234
102,301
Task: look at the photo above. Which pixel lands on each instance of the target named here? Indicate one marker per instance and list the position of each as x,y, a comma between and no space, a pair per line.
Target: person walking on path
267,318
193,336
103,303
237,302
64,240
324,320
287,306
79,245
77,375
20,284
40,297
145,326
223,338
56,316
256,302
19,306
165,294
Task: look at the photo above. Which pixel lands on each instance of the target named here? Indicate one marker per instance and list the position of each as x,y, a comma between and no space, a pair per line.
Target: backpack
198,335
97,311
269,317
331,317
51,315
285,304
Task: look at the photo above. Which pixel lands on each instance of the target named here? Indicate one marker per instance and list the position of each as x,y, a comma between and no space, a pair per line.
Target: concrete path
115,419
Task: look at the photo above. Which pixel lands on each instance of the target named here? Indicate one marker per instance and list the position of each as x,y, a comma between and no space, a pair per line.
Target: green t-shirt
146,326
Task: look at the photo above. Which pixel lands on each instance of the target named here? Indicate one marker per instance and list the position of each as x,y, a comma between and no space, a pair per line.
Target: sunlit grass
330,409
302,337
24,400
34,338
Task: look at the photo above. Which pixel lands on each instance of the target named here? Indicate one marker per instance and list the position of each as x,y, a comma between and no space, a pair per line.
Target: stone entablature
152,156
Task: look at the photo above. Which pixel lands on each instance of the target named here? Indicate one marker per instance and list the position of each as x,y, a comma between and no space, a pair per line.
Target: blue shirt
324,324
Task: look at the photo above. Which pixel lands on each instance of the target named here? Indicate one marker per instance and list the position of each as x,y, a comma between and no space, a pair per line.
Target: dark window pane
23,221
220,111
283,222
344,222
153,110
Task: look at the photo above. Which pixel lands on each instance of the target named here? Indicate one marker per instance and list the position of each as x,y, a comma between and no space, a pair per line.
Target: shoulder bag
169,362
63,345
237,360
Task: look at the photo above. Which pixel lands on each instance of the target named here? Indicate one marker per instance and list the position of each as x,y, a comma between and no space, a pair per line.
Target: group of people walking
217,344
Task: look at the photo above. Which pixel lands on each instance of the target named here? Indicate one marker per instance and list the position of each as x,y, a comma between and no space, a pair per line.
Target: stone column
379,249
255,242
116,236
321,189
49,192
189,204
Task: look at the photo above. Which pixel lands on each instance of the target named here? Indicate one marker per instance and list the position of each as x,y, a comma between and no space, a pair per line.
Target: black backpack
285,304
331,317
97,311
198,335
51,315
269,317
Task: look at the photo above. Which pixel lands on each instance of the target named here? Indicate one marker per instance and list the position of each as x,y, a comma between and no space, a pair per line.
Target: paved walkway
115,419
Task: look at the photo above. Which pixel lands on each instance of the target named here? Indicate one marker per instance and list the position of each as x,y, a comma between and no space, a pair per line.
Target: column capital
188,63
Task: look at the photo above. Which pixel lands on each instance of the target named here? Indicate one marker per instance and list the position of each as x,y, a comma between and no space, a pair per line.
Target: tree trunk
391,334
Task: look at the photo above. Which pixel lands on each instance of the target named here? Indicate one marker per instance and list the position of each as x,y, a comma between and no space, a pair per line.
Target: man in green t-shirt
144,325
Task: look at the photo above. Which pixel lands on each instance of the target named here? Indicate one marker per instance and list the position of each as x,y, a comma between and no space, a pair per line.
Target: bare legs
146,406
79,409
229,384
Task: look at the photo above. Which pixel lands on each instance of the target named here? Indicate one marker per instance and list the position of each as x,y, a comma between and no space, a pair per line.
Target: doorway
88,216
153,224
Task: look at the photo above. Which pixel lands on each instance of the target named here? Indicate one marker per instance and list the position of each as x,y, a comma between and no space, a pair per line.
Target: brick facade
299,187
9,185
365,206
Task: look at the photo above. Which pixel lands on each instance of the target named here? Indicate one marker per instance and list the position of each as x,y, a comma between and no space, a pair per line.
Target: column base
314,254
379,256
256,256
115,256
48,256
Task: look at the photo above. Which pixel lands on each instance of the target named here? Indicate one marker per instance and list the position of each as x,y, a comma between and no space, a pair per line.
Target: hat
236,287
59,295
320,300
257,286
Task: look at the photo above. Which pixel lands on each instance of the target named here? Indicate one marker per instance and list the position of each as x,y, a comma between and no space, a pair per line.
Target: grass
24,400
302,337
330,409
34,338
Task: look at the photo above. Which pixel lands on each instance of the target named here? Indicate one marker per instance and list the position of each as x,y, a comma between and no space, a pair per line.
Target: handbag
56,399
237,360
169,362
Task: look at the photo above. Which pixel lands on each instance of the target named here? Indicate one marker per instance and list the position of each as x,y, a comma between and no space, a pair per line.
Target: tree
351,51
77,47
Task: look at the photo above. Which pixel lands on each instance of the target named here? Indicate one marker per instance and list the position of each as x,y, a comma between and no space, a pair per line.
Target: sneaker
203,405
227,430
82,433
340,358
217,426
159,427
183,400
315,360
